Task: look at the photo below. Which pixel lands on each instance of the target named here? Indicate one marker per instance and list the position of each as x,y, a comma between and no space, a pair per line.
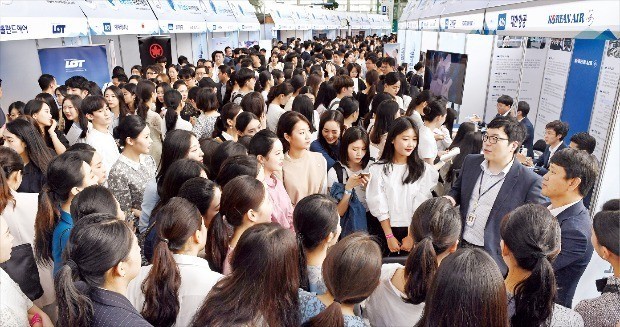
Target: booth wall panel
19,70
452,42
429,41
105,39
130,50
478,49
183,47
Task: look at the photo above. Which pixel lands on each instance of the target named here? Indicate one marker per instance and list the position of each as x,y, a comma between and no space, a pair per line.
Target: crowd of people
313,185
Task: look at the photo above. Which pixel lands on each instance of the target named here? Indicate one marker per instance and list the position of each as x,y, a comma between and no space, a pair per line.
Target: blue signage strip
88,61
581,85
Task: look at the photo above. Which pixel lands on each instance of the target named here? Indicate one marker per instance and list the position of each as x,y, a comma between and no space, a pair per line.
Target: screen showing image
445,74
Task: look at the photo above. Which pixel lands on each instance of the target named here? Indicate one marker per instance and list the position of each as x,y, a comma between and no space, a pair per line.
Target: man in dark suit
223,74
493,184
523,108
571,175
555,132
585,142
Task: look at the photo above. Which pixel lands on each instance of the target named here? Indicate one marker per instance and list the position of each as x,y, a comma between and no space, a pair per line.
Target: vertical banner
505,70
88,61
391,50
604,101
532,74
554,84
581,85
412,48
152,47
199,46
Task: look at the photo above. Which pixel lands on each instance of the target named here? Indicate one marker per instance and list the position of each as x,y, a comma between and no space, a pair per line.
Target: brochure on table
20,20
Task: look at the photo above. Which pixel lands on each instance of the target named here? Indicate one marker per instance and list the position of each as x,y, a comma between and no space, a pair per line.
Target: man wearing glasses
491,185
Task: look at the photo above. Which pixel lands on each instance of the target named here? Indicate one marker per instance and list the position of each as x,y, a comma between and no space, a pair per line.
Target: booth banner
445,74
412,48
88,61
472,23
401,49
429,24
116,17
392,50
505,71
532,73
223,19
581,86
179,16
246,15
605,99
152,47
220,43
199,46
554,84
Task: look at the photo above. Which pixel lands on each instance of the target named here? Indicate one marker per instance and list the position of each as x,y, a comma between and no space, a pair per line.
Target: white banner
412,48
505,70
554,84
604,101
532,74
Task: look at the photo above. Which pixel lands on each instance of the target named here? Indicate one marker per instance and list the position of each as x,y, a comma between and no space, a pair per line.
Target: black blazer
112,309
220,95
542,163
576,251
528,143
521,186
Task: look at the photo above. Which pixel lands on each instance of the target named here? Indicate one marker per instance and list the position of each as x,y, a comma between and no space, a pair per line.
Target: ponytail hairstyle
229,111
372,79
424,96
76,102
239,195
123,108
10,162
178,221
176,146
180,171
533,235
63,174
351,272
303,105
415,165
281,89
348,106
374,104
224,151
255,103
286,125
314,218
434,110
172,100
93,199
38,153
144,94
97,243
386,115
435,228
263,78
243,120
327,116
130,127
262,287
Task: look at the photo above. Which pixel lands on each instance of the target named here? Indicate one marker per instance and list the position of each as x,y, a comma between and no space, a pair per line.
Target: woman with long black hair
76,124
47,126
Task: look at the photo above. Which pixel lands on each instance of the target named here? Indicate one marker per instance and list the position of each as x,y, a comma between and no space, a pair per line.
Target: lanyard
480,193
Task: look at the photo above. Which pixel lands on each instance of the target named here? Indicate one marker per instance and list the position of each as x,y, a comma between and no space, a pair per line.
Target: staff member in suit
570,177
223,75
555,132
493,184
523,108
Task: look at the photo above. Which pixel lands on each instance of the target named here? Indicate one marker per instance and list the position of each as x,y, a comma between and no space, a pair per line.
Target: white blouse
274,112
197,279
105,145
385,306
427,146
180,124
388,198
14,305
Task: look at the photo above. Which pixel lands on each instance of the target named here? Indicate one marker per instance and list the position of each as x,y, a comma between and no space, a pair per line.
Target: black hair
303,104
506,100
45,81
93,199
77,82
325,95
176,146
280,89
244,75
225,150
51,102
314,218
418,65
385,116
464,128
38,153
206,100
389,61
241,165
286,125
297,82
199,191
470,144
351,135
92,103
513,129
391,78
415,165
17,105
533,236
434,110
348,106
243,120
144,93
327,116
172,100
262,143
130,127
559,127
606,226
584,141
523,107
229,111
577,164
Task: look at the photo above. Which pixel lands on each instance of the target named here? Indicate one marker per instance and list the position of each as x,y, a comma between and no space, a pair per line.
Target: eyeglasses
492,139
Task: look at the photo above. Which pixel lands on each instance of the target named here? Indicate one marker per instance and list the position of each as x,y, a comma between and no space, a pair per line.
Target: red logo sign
156,50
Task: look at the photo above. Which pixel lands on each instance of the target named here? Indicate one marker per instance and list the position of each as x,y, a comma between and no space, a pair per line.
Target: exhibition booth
562,57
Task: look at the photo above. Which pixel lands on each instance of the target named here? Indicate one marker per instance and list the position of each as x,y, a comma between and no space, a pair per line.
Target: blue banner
581,86
88,61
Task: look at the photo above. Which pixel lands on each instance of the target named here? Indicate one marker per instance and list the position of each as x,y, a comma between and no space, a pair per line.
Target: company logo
179,27
468,23
518,21
586,62
575,18
156,50
58,29
74,63
501,22
170,27
121,27
450,23
107,27
14,29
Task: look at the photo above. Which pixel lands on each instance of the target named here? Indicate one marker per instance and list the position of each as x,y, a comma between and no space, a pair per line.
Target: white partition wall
429,40
451,42
478,49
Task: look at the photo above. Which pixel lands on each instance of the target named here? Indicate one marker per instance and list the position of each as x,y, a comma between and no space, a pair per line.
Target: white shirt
427,146
105,145
197,279
417,118
385,306
274,112
180,124
553,150
15,304
289,105
555,212
388,198
360,190
444,144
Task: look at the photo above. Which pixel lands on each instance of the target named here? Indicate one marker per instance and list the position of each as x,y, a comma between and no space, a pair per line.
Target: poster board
445,74
64,62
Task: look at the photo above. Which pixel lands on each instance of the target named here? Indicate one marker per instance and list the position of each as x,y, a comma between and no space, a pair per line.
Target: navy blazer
111,309
528,143
576,251
521,186
542,163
